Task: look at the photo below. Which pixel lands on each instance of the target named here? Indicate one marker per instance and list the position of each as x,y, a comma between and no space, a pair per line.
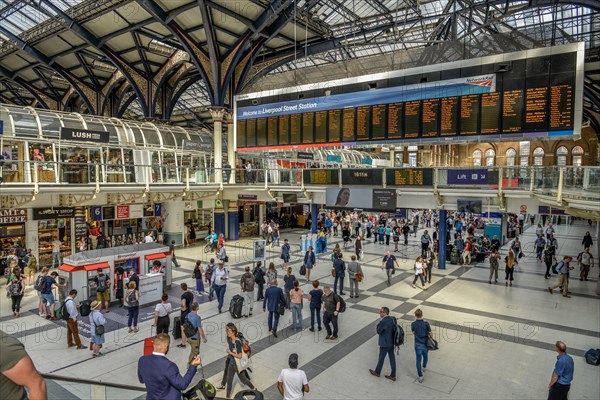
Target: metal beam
213,51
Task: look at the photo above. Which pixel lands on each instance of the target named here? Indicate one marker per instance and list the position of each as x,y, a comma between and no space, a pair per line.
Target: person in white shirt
149,238
219,281
55,252
72,328
292,382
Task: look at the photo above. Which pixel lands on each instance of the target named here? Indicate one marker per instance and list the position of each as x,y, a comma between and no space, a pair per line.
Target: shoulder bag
242,363
98,329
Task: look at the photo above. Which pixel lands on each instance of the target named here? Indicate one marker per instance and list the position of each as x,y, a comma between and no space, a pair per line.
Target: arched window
538,156
561,156
577,153
524,149
490,157
477,155
511,155
413,155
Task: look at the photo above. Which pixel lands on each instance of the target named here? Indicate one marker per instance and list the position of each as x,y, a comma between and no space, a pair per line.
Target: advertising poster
259,250
349,198
384,199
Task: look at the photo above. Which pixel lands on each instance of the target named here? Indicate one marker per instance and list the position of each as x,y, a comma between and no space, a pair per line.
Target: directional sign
97,213
468,177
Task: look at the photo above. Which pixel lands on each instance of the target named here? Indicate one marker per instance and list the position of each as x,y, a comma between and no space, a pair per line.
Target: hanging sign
122,212
84,135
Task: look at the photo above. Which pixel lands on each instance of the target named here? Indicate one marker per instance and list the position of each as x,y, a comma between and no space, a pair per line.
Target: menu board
561,107
241,133
409,177
321,127
284,129
349,117
429,117
261,132
490,113
536,109
363,120
378,119
296,128
469,114
449,116
308,127
412,118
395,112
251,132
512,111
272,131
335,125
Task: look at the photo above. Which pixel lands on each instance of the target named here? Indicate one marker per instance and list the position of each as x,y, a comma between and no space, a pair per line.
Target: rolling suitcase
149,344
480,257
204,390
236,306
176,328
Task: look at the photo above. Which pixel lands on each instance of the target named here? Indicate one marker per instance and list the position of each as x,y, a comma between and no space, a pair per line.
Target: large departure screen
529,96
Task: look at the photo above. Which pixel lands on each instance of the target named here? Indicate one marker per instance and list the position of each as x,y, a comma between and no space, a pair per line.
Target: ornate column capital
218,114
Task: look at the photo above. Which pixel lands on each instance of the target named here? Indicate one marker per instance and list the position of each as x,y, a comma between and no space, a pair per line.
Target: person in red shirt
467,252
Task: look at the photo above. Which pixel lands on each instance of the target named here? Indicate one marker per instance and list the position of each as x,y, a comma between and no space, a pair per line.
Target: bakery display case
48,231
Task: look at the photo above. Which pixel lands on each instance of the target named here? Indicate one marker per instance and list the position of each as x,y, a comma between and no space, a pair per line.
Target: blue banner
1,127
157,210
468,177
97,213
332,158
420,91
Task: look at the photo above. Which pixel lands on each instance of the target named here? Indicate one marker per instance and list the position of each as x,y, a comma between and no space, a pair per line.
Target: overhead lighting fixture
58,78
101,65
160,47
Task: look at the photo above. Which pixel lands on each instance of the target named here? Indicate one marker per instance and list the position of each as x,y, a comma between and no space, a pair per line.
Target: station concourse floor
496,342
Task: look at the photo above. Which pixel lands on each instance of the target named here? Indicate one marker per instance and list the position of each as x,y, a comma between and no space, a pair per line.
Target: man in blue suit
385,330
273,298
160,375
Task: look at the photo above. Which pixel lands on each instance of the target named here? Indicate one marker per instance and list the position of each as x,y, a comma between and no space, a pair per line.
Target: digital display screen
335,125
561,107
241,133
536,109
363,119
321,177
321,127
296,128
308,127
251,132
512,111
490,113
349,117
449,116
261,132
395,112
409,177
430,118
284,129
378,119
469,114
412,118
272,132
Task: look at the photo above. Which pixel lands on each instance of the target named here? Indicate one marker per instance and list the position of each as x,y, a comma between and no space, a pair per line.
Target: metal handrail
91,382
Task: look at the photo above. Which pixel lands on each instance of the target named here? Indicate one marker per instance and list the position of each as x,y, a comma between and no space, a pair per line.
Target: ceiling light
103,66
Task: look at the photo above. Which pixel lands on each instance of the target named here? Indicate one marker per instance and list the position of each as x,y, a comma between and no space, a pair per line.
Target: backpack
342,303
15,287
398,335
245,344
592,356
102,283
131,300
555,267
33,261
21,252
189,329
258,276
64,314
248,282
40,283
579,256
303,270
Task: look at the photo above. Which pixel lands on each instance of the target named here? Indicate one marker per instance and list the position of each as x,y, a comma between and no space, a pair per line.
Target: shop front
124,224
12,228
54,231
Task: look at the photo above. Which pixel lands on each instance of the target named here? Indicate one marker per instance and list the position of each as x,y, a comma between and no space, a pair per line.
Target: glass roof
19,16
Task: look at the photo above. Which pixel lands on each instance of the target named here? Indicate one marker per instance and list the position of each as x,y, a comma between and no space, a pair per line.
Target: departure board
449,116
561,107
536,109
308,127
284,129
395,112
412,118
430,118
409,177
335,125
378,119
272,131
363,123
490,113
251,132
321,127
241,133
348,126
321,177
469,114
296,128
261,132
512,111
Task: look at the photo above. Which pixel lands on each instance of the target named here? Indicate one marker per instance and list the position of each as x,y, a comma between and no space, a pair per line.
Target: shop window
538,156
490,158
477,155
73,167
511,154
114,168
561,156
577,153
11,167
43,155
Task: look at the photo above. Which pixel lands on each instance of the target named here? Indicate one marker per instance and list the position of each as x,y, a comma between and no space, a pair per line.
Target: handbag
432,344
244,362
333,272
281,309
358,277
99,331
